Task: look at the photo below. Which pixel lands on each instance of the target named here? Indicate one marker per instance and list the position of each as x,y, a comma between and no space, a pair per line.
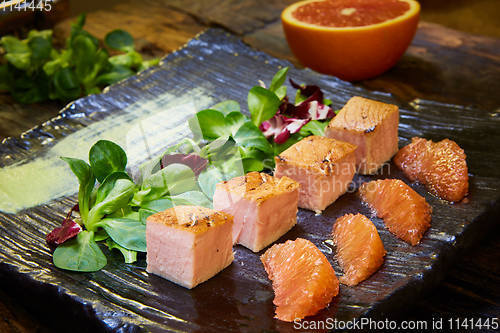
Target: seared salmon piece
360,251
405,213
188,244
440,166
370,125
264,207
323,167
303,280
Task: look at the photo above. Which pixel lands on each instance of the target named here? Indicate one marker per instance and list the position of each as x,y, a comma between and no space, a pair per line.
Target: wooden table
441,64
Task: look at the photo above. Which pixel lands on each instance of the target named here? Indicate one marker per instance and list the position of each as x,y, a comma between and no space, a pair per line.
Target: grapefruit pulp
405,213
440,166
303,280
360,250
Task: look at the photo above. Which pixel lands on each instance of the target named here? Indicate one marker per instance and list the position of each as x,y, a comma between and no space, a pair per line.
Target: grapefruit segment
351,39
440,166
360,251
405,213
303,280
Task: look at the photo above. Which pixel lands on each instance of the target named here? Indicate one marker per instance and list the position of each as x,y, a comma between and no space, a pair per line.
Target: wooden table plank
240,17
449,66
157,29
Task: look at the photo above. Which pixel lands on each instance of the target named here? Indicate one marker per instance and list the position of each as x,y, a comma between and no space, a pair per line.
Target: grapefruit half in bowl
351,39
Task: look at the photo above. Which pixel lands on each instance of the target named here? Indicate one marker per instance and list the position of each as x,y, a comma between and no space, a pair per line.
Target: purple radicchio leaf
290,118
312,92
311,108
280,127
195,162
68,229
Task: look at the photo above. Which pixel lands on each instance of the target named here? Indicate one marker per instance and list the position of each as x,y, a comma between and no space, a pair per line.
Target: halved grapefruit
351,39
304,282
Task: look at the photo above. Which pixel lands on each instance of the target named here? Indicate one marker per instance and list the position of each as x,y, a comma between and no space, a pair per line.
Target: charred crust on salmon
181,240
319,164
192,218
259,186
371,129
360,114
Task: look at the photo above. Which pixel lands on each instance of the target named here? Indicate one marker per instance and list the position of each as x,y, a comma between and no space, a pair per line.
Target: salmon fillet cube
370,125
264,207
323,167
188,244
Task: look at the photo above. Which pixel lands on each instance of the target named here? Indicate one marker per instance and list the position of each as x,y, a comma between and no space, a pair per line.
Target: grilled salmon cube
188,244
264,207
370,125
323,167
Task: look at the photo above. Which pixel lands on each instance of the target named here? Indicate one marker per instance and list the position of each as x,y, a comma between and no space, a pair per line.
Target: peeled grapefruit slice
440,166
406,214
351,39
304,282
360,250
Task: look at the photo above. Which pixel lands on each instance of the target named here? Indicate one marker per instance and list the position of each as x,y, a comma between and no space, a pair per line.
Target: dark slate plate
125,298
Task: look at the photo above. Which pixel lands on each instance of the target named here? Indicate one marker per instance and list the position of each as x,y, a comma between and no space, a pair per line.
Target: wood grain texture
446,65
16,118
239,17
156,28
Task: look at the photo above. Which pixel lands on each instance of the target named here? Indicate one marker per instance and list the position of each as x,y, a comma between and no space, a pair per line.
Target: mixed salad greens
113,204
32,70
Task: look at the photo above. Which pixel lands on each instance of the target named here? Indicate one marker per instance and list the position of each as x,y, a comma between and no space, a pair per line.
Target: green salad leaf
80,254
262,104
128,233
118,196
208,179
248,135
129,256
314,127
227,106
171,180
34,71
119,40
86,178
211,124
105,158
